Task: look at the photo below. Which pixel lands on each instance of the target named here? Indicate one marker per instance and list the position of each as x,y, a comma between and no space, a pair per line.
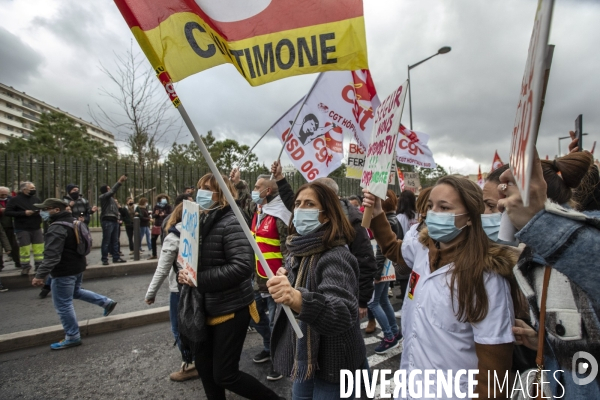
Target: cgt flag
333,107
497,163
412,148
265,40
401,179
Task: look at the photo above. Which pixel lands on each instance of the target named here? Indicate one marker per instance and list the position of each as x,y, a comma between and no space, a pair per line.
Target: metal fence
51,175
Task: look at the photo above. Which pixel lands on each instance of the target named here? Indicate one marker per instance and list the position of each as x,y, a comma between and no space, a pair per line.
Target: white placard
189,239
526,126
381,152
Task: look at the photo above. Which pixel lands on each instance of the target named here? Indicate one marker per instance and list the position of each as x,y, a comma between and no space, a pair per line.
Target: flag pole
167,83
293,123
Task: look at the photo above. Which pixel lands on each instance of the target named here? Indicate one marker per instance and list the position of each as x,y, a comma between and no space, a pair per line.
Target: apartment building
20,113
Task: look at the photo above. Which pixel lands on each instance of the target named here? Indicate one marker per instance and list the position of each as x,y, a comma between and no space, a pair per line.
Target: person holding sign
224,278
459,309
320,284
380,307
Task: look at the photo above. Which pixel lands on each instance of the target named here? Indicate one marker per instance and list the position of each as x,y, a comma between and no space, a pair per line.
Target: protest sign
401,179
412,148
189,237
265,40
412,181
528,110
355,162
336,105
382,148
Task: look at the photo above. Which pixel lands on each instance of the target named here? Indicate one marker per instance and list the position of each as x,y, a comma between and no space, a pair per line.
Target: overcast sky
465,100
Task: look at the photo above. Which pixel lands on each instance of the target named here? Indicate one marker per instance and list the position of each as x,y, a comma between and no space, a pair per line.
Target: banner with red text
412,148
265,40
334,107
382,147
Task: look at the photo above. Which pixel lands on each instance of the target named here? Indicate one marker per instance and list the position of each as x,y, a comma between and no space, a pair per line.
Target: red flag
497,163
401,179
480,177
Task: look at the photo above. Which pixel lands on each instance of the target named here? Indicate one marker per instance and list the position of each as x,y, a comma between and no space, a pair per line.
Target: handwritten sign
382,148
355,162
189,239
526,126
411,181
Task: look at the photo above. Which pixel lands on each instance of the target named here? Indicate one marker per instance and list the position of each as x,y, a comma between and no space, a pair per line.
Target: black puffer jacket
226,264
17,207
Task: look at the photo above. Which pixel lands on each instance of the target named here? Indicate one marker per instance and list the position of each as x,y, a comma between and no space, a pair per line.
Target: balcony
31,106
30,116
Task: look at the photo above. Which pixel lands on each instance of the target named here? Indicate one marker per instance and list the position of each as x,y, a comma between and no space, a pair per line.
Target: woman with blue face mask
459,306
161,210
224,282
319,282
490,219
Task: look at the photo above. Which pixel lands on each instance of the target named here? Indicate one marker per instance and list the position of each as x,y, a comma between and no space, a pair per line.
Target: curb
14,279
50,334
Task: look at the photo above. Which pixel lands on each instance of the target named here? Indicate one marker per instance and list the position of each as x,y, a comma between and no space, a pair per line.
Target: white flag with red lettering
340,102
412,148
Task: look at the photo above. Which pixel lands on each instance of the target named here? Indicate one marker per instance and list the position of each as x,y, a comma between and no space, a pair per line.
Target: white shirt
433,336
406,223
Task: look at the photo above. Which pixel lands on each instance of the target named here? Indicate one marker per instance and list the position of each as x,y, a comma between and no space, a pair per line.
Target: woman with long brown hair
459,308
224,282
320,283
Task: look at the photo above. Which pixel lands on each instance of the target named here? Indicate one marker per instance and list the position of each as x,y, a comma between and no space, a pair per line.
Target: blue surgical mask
45,215
491,225
204,199
441,226
306,220
163,202
256,196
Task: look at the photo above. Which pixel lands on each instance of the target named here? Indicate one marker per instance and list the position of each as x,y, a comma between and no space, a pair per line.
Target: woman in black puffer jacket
224,278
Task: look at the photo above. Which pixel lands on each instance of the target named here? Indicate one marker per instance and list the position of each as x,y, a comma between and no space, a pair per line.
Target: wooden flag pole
166,82
294,123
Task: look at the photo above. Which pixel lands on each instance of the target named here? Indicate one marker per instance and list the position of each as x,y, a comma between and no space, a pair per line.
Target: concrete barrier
14,279
89,327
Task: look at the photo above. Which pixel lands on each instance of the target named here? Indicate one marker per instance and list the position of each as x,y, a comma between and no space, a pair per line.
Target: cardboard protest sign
412,148
412,181
334,106
382,149
189,237
528,110
355,162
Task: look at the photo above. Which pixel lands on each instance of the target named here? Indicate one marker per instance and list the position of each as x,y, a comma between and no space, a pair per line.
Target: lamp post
443,50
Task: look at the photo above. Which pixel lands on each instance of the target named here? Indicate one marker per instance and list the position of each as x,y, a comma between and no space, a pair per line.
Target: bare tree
145,127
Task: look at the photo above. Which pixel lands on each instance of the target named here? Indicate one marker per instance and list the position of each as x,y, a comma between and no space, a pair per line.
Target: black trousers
218,362
154,241
14,252
129,231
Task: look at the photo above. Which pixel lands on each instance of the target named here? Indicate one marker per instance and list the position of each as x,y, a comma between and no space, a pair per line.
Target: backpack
82,234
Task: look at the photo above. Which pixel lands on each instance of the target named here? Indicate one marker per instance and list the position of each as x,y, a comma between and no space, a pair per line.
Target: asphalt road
130,364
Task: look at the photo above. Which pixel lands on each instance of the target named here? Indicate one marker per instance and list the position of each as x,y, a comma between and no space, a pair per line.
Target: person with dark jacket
109,217
162,208
128,222
360,247
80,207
224,278
7,225
27,223
65,265
320,284
141,211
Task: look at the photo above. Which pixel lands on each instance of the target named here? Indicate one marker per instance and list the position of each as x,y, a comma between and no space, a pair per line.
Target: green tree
58,135
340,172
225,153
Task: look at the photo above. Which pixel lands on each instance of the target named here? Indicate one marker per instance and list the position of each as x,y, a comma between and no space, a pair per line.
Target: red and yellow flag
265,40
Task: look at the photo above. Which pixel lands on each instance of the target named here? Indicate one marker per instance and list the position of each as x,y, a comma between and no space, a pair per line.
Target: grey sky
465,100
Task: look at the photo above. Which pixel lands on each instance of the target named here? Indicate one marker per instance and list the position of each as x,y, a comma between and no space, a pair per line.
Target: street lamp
443,50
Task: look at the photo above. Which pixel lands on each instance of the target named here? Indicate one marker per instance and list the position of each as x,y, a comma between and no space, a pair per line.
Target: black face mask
74,195
130,203
32,192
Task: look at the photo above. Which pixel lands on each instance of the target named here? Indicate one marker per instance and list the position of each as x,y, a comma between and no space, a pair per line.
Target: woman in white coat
458,310
168,266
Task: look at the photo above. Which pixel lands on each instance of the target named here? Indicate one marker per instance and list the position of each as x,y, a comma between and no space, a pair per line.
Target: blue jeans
64,290
316,389
383,311
110,239
173,308
145,231
265,325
